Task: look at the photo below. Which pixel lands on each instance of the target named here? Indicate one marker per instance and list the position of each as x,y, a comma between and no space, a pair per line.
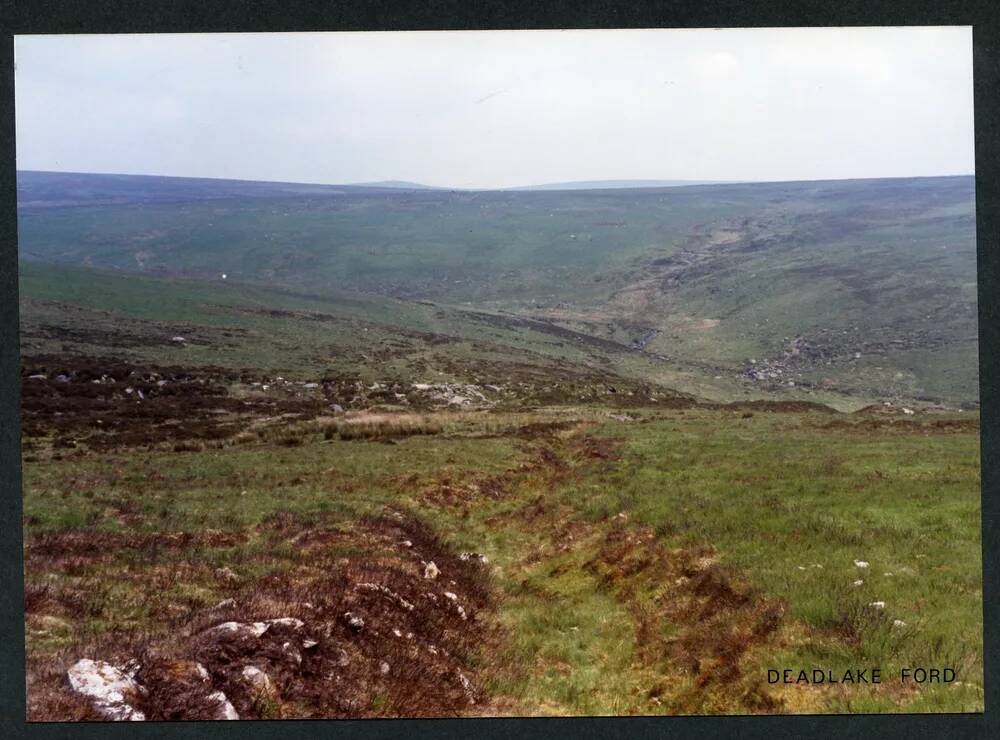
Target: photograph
499,373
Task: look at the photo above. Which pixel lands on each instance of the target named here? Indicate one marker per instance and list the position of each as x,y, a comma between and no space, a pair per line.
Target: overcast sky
501,108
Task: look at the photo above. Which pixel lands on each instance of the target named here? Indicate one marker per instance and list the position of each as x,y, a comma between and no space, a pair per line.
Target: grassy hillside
864,288
587,410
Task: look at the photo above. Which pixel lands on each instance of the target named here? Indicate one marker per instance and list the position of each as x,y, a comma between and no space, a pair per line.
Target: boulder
242,629
112,690
226,710
258,681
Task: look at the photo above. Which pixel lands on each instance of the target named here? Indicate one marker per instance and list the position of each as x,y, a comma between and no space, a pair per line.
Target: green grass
884,268
770,494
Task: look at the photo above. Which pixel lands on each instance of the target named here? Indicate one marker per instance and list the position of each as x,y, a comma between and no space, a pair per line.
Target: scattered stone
898,623
406,543
877,605
226,710
178,340
908,412
470,693
259,681
110,689
292,622
858,582
255,629
354,621
861,564
458,607
478,556
309,643
431,571
290,650
387,592
383,668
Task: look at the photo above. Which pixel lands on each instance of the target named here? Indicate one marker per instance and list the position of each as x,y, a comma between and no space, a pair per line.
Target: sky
501,108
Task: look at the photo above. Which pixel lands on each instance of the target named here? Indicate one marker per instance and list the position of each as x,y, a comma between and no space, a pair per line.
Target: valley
654,442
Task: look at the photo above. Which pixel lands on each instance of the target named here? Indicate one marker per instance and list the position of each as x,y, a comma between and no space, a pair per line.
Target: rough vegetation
550,453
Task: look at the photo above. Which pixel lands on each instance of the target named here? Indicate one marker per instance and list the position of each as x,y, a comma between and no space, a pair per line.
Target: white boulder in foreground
226,709
110,689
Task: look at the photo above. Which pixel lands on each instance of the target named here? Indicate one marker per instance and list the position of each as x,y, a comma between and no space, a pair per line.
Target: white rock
255,629
908,412
431,571
309,643
877,605
383,668
861,564
898,623
470,693
858,582
290,650
387,592
226,709
286,622
458,607
110,689
259,681
354,621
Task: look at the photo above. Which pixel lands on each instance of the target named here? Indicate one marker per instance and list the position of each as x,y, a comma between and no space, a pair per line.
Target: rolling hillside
864,289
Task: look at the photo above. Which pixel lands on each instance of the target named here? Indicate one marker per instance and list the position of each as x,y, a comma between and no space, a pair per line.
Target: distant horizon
391,183
492,110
